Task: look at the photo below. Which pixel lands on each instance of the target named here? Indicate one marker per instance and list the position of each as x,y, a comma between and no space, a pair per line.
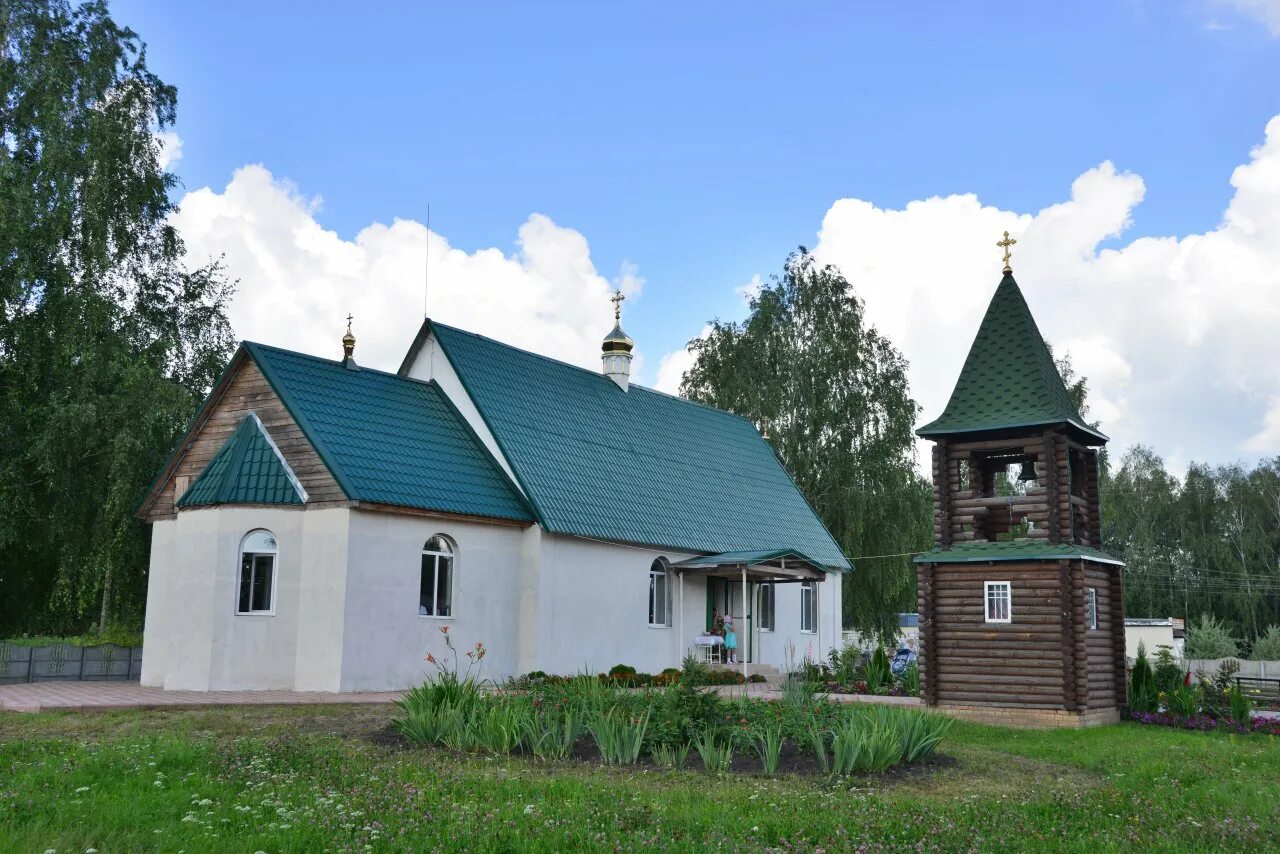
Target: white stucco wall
192,638
385,641
1151,637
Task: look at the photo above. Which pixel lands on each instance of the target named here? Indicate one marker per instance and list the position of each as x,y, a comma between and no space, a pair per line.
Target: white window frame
275,574
987,587
811,588
1091,607
452,555
660,569
767,606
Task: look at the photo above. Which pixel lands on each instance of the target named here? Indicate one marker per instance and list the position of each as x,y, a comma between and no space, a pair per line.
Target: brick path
92,696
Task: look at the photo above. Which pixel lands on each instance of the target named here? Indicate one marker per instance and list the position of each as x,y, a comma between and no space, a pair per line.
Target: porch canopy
776,566
758,565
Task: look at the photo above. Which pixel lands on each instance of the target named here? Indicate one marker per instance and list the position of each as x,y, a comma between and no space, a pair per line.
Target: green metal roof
1009,379
247,469
1014,550
634,466
389,439
745,558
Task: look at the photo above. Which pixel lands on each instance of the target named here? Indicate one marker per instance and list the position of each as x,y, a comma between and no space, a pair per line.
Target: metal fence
65,663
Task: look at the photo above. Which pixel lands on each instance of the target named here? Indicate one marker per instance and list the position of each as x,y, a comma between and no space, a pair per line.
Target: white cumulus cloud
1177,335
298,280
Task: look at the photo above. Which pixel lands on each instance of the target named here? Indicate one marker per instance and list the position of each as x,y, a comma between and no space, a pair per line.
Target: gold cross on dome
617,299
349,319
1005,244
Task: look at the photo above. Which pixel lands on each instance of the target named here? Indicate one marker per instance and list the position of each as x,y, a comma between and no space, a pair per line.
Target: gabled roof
388,439
982,552
1009,379
634,466
247,469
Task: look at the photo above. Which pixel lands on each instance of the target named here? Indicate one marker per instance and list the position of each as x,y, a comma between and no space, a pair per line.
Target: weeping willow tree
107,340
830,394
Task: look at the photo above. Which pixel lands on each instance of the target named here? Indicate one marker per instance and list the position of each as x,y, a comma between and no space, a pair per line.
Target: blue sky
703,141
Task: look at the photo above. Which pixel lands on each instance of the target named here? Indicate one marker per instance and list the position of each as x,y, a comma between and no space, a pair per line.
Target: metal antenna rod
426,261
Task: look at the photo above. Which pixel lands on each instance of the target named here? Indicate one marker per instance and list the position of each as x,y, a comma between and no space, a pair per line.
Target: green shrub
818,741
1240,706
500,725
681,712
921,732
1209,637
553,733
1267,645
716,753
619,735
768,746
1183,700
622,669
878,674
1142,684
1168,674
911,680
671,756
1215,691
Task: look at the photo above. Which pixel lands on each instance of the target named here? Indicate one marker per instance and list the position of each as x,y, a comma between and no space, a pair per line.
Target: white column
743,619
680,624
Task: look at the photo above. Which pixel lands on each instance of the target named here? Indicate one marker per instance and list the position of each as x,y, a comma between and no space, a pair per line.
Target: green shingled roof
633,466
1013,550
1009,378
246,470
389,439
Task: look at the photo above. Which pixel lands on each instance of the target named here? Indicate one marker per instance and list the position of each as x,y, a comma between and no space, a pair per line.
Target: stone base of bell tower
1025,718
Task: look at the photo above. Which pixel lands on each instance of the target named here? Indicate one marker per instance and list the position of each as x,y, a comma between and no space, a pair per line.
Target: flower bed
1204,723
609,719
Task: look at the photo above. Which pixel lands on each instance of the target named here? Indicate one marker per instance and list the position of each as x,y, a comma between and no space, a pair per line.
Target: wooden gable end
244,390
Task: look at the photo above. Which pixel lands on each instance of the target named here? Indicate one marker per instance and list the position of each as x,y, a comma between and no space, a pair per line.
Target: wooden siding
1046,657
246,391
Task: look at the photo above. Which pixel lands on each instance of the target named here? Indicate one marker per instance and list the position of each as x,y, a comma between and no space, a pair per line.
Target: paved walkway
94,696
757,691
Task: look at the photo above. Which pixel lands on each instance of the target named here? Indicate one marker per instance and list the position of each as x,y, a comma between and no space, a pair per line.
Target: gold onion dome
348,341
617,341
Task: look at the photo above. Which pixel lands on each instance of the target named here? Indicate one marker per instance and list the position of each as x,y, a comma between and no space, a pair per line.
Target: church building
1021,612
321,522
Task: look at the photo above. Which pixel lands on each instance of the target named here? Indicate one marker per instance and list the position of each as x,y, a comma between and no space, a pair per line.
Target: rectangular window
255,583
1091,607
767,595
435,591
999,607
659,597
809,607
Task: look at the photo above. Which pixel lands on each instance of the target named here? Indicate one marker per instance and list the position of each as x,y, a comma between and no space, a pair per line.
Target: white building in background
321,524
1153,633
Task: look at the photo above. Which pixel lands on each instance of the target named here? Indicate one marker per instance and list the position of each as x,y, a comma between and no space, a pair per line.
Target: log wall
1047,657
1062,507
246,391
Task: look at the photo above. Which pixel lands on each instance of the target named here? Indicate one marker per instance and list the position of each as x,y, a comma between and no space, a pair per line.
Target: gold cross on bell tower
1005,244
617,299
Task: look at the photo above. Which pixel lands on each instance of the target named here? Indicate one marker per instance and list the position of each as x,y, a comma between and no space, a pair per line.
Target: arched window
435,589
257,573
659,594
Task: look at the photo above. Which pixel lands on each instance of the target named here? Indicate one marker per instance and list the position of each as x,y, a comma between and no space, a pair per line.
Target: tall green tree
107,341
830,394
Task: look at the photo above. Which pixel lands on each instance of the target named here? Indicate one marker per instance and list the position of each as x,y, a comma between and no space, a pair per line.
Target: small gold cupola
616,350
349,347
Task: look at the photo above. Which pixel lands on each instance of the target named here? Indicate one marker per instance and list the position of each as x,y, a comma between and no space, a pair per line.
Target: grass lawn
313,778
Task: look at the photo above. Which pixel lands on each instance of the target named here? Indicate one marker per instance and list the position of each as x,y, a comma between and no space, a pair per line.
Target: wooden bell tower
1021,612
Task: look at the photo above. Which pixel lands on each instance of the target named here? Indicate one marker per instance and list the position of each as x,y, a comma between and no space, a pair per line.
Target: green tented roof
1009,379
634,466
247,469
389,439
1014,550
